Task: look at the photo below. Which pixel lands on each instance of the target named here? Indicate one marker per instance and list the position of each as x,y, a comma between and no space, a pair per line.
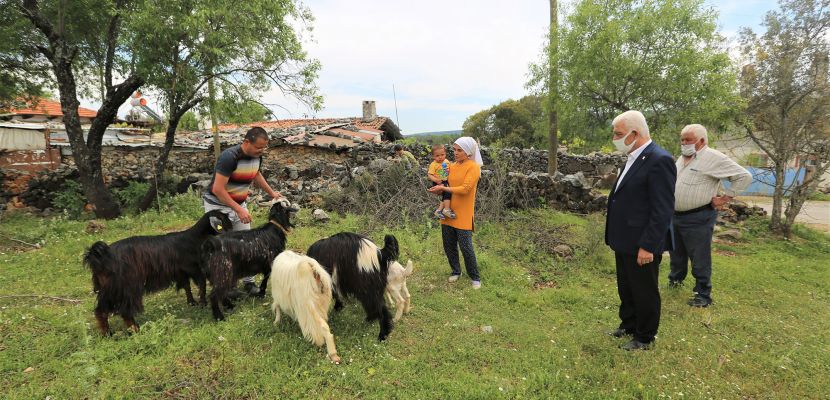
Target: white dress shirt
628,163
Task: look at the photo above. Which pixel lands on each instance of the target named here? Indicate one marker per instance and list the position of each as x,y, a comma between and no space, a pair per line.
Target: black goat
238,254
127,269
358,268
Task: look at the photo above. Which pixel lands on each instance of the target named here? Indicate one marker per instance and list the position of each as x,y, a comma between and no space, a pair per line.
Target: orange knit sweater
463,180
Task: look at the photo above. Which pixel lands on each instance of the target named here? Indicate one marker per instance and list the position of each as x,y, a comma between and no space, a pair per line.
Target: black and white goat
358,268
302,289
127,269
229,257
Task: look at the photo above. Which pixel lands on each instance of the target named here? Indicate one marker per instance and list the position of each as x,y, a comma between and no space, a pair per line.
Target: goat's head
406,271
219,221
282,211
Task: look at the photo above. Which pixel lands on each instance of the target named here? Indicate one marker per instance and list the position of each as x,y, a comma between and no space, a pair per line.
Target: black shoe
675,284
699,301
251,288
634,344
620,332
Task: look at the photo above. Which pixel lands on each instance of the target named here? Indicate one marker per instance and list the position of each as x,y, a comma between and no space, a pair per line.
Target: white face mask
688,150
621,146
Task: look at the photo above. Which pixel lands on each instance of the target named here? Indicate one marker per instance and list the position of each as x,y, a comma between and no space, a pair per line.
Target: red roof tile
50,108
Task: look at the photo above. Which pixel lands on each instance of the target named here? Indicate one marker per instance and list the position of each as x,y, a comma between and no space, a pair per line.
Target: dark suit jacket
641,206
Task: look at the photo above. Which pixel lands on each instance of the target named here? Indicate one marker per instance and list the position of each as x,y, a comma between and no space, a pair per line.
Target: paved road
815,214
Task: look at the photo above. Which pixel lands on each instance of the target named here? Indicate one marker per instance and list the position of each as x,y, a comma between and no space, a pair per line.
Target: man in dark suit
638,227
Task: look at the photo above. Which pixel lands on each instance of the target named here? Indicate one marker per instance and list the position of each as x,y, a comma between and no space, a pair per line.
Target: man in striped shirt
228,191
700,170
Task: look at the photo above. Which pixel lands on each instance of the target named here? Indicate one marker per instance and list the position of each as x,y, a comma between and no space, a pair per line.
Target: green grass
818,196
767,336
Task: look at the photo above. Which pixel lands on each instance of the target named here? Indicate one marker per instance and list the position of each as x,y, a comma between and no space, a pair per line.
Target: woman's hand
437,189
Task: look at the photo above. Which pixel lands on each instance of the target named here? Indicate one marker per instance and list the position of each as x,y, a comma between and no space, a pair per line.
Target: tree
20,81
235,111
189,122
75,41
514,123
663,58
248,47
785,86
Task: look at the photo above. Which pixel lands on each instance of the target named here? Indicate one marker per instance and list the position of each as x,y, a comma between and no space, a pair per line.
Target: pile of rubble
737,211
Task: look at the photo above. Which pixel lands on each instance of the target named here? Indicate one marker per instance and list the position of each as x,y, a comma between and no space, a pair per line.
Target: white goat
396,291
302,289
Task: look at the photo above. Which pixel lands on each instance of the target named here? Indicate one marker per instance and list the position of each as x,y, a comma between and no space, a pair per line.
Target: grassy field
536,329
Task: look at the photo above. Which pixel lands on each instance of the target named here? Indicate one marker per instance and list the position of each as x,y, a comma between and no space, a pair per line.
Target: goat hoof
382,337
335,359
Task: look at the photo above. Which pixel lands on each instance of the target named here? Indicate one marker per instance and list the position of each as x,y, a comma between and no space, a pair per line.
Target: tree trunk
164,154
213,123
553,91
777,197
161,165
87,152
797,199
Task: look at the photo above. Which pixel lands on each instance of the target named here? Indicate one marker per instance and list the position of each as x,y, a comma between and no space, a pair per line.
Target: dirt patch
545,285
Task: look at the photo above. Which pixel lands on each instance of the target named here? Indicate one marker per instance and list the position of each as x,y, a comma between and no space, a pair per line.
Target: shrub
71,199
130,195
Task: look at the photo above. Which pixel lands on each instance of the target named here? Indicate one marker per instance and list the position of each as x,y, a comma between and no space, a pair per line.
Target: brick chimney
369,112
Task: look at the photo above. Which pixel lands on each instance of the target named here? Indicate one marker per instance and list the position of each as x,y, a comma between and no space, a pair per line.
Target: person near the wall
638,227
700,170
463,181
229,188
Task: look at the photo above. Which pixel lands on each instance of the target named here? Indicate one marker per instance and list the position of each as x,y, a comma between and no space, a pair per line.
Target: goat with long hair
127,269
358,268
229,257
301,288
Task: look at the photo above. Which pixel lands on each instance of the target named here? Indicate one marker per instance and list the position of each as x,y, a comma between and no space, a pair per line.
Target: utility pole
213,124
553,90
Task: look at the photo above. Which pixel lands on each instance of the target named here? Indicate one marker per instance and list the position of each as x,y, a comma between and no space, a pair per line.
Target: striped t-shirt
240,170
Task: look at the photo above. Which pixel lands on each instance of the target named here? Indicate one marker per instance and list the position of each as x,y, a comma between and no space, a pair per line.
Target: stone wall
284,161
303,171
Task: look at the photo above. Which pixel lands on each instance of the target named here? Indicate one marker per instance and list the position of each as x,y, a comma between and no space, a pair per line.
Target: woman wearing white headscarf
458,232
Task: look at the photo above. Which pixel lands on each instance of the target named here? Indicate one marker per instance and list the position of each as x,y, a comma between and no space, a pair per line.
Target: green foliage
248,47
189,122
512,123
663,58
131,195
71,199
754,160
237,112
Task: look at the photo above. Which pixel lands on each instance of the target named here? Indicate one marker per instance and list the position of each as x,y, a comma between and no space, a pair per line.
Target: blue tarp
763,180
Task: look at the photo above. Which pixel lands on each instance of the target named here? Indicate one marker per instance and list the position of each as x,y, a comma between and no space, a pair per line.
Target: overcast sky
447,59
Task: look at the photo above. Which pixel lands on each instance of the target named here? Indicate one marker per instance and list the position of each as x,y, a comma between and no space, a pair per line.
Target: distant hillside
438,133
